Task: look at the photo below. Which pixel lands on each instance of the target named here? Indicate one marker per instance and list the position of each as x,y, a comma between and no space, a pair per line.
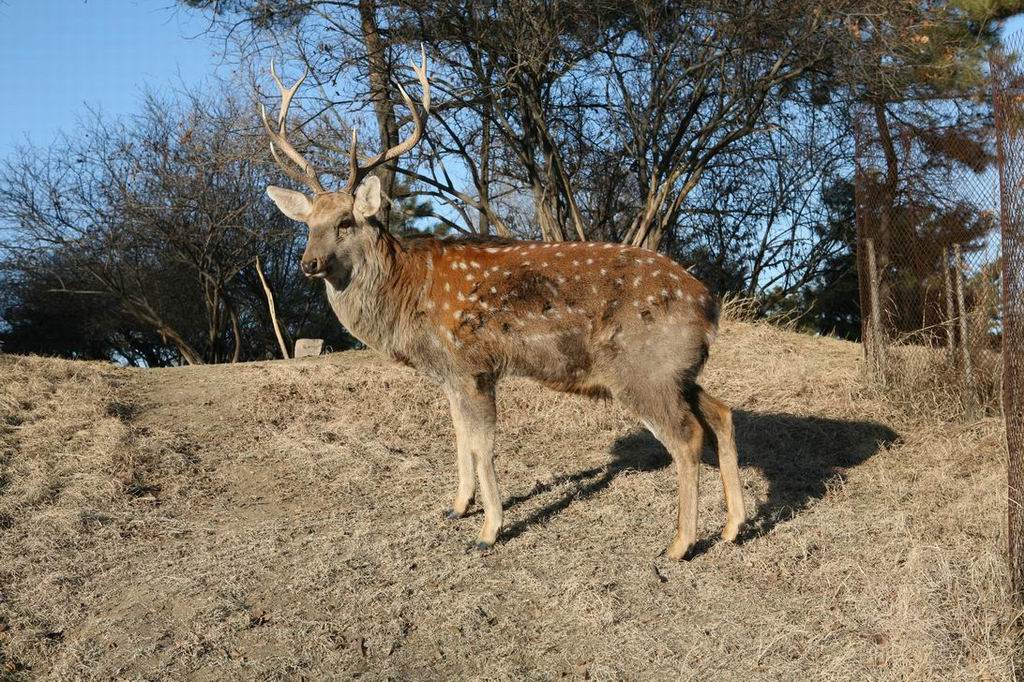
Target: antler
357,172
305,174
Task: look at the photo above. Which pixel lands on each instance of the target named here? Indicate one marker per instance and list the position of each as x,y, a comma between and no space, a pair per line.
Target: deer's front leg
474,414
464,458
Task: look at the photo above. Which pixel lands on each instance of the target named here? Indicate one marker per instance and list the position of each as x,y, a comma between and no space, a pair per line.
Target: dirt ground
284,520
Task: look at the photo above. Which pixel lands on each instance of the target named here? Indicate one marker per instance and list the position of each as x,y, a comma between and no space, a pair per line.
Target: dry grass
928,385
276,520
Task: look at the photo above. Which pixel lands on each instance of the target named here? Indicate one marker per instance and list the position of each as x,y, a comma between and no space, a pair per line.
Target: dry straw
281,520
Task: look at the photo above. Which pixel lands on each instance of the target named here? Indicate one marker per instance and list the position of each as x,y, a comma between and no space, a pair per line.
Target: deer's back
577,316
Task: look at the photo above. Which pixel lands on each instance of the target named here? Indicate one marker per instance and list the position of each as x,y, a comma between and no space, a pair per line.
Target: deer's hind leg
474,414
683,436
718,418
670,419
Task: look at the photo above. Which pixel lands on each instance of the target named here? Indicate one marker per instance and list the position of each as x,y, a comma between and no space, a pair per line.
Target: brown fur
603,320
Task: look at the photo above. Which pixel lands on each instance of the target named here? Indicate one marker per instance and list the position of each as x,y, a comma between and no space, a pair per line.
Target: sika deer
582,317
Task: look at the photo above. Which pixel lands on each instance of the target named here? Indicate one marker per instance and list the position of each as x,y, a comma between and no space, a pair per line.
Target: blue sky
60,55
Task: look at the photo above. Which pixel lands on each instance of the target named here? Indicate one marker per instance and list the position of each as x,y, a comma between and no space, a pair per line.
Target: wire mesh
1008,102
940,254
927,197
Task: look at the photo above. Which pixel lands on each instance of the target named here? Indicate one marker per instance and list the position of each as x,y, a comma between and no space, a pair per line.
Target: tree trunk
273,310
965,339
876,339
484,223
141,310
887,201
188,354
380,94
236,353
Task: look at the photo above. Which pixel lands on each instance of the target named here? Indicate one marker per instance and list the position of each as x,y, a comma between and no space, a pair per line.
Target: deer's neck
381,294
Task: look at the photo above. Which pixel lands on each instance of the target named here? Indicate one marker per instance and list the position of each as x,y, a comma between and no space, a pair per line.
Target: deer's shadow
799,456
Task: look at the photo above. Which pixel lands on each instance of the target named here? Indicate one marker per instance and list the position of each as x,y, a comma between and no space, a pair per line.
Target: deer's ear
367,198
295,205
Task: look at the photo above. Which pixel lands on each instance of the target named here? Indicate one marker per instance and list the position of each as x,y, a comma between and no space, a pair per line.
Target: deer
604,320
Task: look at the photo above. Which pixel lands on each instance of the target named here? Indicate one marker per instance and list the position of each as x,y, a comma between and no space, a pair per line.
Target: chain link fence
1008,104
939,189
928,250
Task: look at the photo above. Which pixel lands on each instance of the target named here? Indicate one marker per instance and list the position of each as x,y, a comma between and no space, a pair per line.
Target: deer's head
337,221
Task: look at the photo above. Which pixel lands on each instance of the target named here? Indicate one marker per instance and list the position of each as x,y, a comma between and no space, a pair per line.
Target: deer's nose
311,266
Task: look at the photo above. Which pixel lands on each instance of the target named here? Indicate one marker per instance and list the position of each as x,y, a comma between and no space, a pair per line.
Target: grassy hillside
278,519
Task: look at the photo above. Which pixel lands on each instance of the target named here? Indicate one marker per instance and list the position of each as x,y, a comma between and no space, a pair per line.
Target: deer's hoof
452,515
482,546
679,551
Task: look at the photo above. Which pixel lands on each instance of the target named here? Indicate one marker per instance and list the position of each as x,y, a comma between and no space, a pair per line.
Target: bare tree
159,214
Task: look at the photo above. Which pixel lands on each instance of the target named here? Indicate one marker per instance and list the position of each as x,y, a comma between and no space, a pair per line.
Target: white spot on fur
636,281
445,306
609,246
679,293
533,246
559,254
492,250
603,271
447,286
590,261
674,276
455,265
457,314
474,264
593,288
461,297
493,290
469,277
650,299
463,265
472,297
576,278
